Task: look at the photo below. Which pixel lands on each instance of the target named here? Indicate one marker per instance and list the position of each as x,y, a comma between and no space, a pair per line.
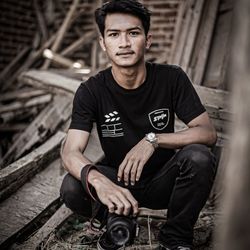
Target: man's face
124,39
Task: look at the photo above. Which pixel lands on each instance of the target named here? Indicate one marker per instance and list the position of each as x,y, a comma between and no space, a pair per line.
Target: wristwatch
152,138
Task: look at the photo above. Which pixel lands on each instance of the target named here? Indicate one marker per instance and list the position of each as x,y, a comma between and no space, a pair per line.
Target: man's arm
72,154
116,198
200,130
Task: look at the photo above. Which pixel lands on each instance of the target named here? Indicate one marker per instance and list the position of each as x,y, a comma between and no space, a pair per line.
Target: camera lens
120,229
120,235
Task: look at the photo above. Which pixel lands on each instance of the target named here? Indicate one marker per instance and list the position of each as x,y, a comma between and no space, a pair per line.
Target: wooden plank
17,173
34,55
205,35
183,35
21,94
190,43
60,60
26,104
45,124
29,201
214,76
214,97
50,187
49,227
83,40
13,128
18,115
62,31
49,80
40,20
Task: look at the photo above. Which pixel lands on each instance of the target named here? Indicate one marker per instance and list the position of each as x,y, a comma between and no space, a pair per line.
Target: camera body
121,230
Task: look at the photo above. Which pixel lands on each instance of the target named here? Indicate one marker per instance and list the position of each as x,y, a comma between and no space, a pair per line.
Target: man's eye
134,33
113,34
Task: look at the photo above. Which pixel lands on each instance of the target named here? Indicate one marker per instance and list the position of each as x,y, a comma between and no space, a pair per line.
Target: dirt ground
76,234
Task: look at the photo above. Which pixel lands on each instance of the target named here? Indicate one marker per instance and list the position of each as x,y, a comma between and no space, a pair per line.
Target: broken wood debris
50,81
49,181
29,202
201,41
34,101
17,173
44,125
63,29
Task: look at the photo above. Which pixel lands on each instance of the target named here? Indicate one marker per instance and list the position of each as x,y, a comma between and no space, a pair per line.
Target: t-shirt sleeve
83,112
187,104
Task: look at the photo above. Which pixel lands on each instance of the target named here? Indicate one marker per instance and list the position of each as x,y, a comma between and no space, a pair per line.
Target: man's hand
132,165
118,200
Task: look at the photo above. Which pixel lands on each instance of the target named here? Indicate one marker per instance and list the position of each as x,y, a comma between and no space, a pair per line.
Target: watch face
151,136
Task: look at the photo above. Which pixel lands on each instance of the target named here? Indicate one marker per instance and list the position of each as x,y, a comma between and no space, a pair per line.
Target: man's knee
73,195
200,156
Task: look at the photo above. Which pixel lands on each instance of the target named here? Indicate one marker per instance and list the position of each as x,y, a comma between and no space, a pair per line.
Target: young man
134,104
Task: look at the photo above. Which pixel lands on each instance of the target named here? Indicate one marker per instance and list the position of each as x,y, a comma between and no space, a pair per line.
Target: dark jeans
182,185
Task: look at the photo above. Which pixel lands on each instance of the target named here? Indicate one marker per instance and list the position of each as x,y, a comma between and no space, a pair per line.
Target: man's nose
124,41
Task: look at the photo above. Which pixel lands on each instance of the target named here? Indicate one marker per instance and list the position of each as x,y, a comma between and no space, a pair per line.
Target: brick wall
164,14
18,26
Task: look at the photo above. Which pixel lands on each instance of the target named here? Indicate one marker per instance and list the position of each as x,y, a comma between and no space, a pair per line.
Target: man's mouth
124,53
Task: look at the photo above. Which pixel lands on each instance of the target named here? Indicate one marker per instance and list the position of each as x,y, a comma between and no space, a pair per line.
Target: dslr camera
121,230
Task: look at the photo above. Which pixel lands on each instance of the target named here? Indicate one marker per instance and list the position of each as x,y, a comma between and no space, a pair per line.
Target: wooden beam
18,115
214,75
49,227
49,80
192,34
21,94
26,104
29,202
13,128
60,60
45,124
17,173
34,55
33,198
199,59
62,31
84,39
180,41
40,20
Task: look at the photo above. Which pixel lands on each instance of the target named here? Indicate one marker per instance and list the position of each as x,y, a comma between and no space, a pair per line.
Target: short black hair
131,7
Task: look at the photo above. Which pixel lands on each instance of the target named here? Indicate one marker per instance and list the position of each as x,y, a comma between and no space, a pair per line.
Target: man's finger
121,168
126,172
132,201
126,203
133,172
111,207
139,170
118,204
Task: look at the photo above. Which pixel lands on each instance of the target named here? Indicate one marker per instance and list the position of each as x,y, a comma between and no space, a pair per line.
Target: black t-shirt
123,116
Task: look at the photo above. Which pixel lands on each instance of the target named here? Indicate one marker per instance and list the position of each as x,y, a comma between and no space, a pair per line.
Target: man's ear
102,43
148,41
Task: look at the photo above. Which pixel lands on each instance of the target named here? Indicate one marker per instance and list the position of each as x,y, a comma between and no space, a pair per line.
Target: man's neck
130,78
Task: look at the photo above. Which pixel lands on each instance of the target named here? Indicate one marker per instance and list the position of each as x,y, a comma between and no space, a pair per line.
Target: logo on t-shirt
159,118
112,127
